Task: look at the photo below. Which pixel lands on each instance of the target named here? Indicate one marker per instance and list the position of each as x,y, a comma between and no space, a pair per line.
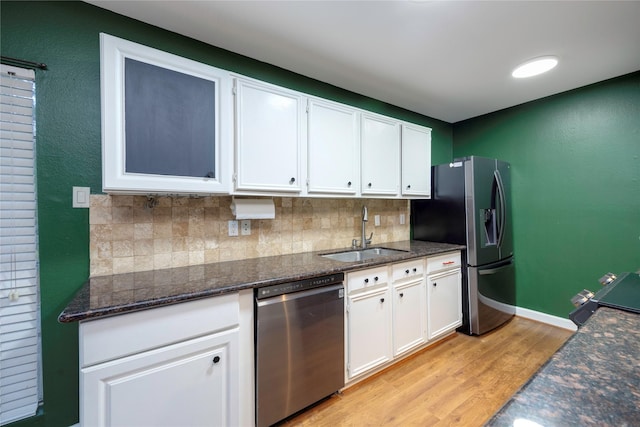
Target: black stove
621,292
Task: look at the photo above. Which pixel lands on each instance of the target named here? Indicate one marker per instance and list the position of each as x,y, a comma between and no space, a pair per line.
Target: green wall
64,35
576,186
575,163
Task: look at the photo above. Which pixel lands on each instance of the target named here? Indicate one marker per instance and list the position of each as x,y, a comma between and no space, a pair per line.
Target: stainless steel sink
361,254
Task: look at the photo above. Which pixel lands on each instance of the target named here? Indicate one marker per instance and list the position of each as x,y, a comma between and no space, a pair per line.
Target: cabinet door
409,316
333,148
445,302
189,383
380,155
166,121
369,331
268,134
416,161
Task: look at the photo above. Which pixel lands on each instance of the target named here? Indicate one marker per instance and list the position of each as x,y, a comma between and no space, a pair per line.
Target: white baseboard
546,318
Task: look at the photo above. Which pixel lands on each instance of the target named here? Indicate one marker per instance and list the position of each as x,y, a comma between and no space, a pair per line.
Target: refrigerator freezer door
491,295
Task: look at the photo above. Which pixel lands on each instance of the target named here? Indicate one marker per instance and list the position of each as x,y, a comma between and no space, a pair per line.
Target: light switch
233,228
81,197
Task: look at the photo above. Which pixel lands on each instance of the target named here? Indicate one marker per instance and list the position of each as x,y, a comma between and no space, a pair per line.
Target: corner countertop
593,380
104,296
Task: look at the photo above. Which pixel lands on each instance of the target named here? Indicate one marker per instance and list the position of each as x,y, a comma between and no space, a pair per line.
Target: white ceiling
449,60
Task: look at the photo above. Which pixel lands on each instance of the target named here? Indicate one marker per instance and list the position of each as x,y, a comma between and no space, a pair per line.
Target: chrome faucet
363,239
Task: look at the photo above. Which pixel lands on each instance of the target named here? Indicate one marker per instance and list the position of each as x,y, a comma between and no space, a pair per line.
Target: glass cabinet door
166,121
169,122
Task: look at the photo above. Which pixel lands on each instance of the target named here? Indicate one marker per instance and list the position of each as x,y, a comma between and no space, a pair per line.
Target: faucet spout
363,239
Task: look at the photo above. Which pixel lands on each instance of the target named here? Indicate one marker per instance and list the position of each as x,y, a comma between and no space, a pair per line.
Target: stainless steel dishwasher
299,345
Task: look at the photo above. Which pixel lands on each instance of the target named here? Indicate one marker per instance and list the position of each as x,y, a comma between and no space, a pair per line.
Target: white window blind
20,379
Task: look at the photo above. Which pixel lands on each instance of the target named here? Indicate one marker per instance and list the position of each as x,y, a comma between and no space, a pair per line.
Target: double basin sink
362,254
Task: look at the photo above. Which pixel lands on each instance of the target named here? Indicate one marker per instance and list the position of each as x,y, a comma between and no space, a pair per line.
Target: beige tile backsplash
127,235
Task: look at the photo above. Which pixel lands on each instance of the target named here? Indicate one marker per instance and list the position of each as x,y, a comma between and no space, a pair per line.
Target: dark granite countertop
593,380
121,293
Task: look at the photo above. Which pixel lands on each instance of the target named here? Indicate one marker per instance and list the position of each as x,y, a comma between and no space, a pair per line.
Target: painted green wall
573,156
576,186
64,35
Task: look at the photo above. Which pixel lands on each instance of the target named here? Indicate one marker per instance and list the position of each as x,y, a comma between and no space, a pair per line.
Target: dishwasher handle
301,294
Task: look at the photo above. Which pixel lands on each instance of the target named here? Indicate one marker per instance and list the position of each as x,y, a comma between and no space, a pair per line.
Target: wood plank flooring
461,381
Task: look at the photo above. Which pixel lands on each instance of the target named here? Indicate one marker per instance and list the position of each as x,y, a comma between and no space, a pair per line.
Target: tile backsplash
128,234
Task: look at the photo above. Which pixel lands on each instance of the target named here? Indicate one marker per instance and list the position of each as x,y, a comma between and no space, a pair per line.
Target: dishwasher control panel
298,285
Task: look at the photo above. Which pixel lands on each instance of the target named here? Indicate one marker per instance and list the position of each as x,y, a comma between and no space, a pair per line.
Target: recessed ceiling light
535,66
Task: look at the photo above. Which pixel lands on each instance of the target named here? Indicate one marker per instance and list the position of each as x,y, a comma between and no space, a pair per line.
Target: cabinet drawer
443,262
367,278
118,336
408,270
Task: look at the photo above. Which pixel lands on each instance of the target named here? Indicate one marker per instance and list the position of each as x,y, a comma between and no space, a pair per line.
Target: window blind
20,375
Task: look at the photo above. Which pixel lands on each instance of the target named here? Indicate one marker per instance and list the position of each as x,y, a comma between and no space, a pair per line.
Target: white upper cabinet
380,155
416,161
332,148
171,125
269,128
166,122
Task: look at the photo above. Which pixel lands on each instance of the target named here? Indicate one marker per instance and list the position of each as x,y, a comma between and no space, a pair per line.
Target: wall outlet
402,220
81,197
376,220
233,228
245,227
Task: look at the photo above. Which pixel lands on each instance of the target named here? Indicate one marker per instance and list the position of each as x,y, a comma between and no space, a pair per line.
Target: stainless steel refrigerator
471,205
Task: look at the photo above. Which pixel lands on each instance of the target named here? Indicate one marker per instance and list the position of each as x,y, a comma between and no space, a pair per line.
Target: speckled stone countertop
593,380
117,294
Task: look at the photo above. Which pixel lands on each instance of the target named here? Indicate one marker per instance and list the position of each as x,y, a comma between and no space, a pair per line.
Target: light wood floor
462,381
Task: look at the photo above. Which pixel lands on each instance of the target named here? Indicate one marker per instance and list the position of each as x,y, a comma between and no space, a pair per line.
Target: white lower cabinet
188,383
409,306
444,288
369,320
409,316
397,309
445,302
181,364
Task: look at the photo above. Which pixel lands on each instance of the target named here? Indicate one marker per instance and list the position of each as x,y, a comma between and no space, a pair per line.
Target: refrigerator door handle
496,267
503,209
489,271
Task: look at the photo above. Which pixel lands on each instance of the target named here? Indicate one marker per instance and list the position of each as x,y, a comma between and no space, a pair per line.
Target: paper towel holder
253,208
